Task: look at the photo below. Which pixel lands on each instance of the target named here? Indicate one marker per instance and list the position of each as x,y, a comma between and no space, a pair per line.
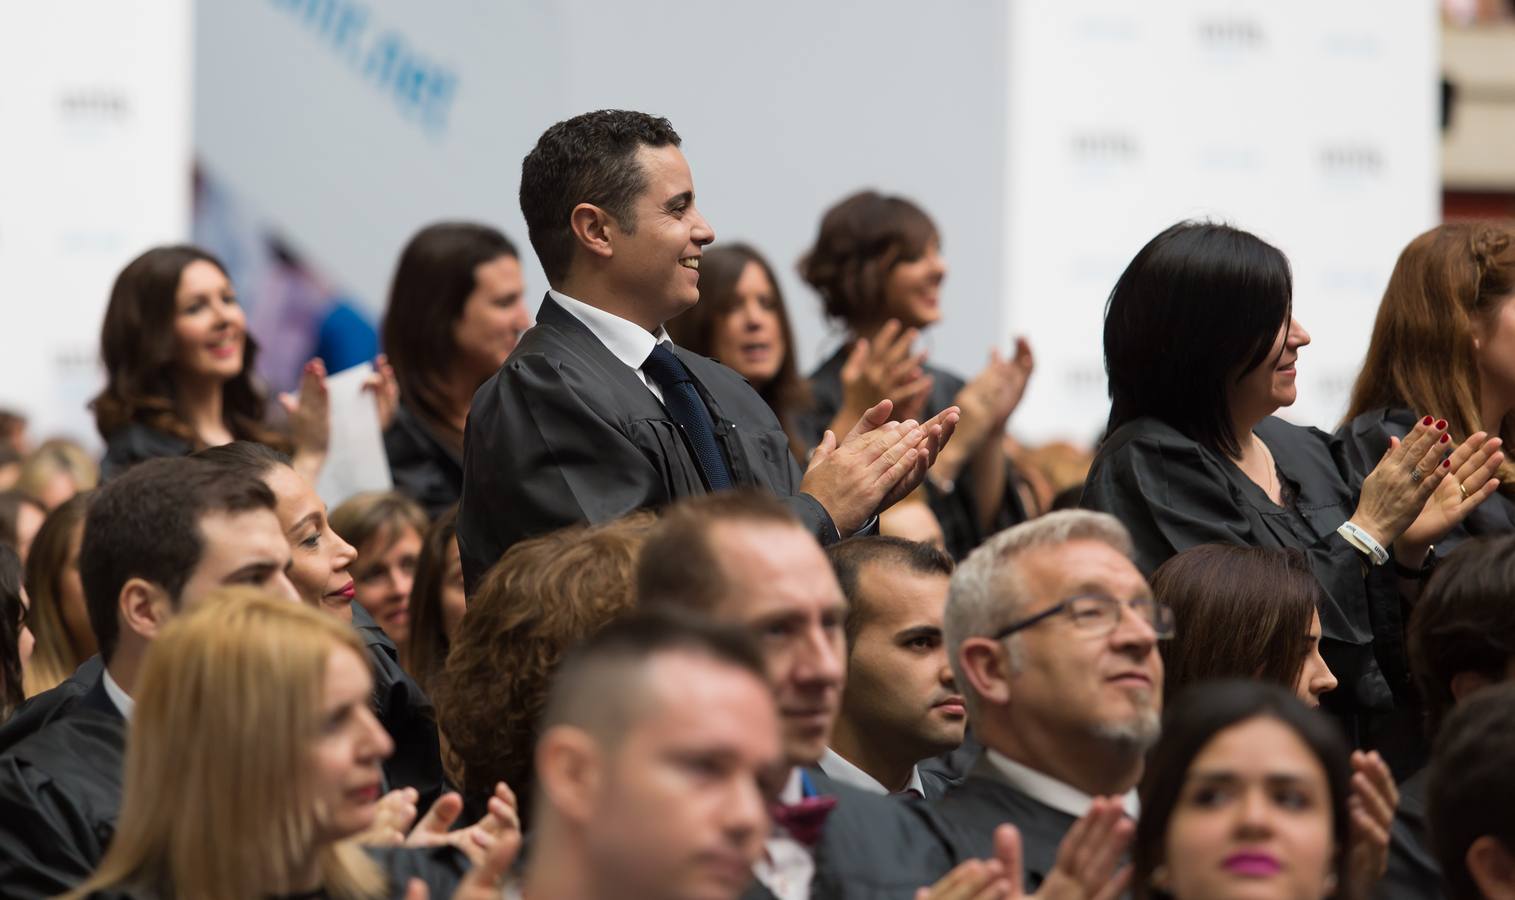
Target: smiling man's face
656,261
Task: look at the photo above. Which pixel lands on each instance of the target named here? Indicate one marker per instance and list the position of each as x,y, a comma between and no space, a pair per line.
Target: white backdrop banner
1313,125
94,168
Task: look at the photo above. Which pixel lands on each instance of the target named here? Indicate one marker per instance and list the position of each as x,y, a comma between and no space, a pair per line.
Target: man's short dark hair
146,524
1464,621
597,686
678,568
1472,785
850,557
589,158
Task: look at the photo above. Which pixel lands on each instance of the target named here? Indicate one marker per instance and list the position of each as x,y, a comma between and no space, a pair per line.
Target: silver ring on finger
1416,475
1462,489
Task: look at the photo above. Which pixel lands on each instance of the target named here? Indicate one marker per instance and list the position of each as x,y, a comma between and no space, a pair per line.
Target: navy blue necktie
688,409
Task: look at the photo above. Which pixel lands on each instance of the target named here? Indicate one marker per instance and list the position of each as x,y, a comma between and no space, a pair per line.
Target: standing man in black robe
156,540
596,413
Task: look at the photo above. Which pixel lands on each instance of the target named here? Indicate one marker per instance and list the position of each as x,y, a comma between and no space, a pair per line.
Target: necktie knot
663,367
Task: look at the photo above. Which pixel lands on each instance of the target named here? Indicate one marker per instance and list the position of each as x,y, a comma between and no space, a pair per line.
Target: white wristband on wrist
1364,542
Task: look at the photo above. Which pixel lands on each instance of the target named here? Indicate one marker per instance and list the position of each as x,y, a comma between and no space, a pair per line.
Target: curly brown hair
861,239
542,598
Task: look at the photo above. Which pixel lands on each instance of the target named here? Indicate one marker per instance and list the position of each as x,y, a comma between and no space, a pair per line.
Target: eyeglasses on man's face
1096,615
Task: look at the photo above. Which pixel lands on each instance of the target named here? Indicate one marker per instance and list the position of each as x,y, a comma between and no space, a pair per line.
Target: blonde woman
253,763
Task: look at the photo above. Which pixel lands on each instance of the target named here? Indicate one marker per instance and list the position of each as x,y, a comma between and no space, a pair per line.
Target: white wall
784,108
94,168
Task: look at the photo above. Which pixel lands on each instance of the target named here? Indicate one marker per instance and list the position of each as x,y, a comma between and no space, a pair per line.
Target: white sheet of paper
355,460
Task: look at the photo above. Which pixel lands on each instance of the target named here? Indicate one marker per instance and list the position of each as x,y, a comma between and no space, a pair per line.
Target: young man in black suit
156,540
743,559
596,413
901,705
1053,638
657,738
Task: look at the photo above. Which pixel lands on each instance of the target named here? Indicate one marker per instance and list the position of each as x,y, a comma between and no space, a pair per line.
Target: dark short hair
596,686
1239,612
850,557
431,285
1471,787
146,524
678,567
247,457
590,158
861,239
1200,714
1199,306
1464,621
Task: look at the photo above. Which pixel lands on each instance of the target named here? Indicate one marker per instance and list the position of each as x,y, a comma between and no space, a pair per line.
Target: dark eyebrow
685,198
1274,779
919,631
255,571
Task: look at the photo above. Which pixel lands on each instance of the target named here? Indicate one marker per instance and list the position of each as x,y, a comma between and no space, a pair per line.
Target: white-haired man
1052,633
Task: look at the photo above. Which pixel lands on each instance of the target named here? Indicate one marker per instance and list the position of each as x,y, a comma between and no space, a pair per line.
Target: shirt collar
627,341
1048,790
794,788
124,703
843,770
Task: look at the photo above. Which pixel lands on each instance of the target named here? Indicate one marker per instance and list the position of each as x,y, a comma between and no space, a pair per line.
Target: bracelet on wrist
1364,542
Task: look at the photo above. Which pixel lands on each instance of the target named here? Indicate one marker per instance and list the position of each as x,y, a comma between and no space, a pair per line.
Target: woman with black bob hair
1246,795
1201,347
456,309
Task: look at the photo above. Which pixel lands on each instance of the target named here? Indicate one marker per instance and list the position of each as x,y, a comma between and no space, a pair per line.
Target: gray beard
1134,736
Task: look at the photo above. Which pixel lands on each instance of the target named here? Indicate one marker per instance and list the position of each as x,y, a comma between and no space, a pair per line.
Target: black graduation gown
406,713
566,433
425,467
872,847
970,812
38,711
1173,494
1413,871
957,512
1367,437
60,794
133,443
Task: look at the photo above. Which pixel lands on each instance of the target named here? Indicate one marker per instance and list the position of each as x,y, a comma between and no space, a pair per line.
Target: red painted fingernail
1442,424
1445,438
1446,464
1426,421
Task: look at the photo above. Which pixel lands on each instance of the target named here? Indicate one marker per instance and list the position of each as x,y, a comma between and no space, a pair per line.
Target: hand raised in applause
883,368
879,462
309,420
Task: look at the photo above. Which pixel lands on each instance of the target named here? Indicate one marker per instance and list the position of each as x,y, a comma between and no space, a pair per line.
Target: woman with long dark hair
456,309
742,322
180,363
878,267
1444,339
1201,347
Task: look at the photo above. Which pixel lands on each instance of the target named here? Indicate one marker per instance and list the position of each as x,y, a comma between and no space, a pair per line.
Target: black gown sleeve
537,458
137,443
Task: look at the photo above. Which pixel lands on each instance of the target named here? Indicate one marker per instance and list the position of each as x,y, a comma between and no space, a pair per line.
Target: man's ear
592,227
1492,868
570,769
986,666
144,607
